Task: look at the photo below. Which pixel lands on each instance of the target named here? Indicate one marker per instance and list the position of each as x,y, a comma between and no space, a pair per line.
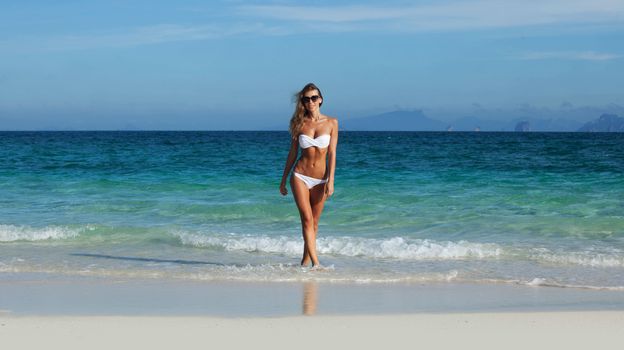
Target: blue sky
235,64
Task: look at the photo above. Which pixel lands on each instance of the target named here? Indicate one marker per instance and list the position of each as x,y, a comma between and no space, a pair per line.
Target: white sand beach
70,313
539,330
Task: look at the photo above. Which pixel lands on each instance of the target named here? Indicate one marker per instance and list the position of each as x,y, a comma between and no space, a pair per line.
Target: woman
312,181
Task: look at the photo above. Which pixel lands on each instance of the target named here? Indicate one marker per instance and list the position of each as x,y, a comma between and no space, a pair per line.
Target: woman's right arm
290,161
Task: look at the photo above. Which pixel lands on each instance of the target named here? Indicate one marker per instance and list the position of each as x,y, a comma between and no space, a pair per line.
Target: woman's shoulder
332,120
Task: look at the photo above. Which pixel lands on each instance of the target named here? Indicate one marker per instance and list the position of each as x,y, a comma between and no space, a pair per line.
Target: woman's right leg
302,199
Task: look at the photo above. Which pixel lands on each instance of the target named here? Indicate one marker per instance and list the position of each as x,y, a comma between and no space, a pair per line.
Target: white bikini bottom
309,181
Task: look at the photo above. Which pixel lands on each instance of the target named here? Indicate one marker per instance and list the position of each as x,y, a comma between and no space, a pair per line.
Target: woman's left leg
317,203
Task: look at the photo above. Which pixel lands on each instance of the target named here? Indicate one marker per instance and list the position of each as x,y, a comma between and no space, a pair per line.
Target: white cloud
570,55
132,37
282,19
454,15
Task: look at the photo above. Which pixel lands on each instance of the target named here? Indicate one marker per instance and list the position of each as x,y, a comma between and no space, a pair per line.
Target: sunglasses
307,99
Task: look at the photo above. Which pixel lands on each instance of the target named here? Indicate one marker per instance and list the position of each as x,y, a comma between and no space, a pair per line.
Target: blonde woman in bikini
312,180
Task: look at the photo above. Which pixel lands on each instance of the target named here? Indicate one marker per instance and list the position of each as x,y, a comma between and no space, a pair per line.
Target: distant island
416,120
606,123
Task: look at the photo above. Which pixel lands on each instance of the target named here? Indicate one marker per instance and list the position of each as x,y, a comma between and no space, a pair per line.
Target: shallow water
519,208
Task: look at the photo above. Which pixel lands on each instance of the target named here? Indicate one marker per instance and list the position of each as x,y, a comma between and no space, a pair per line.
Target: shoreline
27,295
39,311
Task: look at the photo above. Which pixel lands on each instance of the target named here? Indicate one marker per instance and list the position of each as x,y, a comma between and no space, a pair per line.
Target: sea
539,209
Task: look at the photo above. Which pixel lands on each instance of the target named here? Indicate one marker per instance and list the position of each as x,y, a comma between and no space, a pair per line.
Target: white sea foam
249,273
537,282
401,248
292,273
11,233
586,258
543,282
391,248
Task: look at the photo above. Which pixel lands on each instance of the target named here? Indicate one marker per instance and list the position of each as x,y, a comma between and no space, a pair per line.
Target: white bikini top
306,141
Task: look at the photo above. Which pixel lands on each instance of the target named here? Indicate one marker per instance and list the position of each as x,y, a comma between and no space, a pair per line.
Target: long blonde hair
296,122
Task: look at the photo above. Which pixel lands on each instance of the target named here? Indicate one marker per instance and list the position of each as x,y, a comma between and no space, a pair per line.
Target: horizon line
285,131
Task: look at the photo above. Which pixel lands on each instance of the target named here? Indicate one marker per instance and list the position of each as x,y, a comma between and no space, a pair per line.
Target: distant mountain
395,121
473,123
563,118
417,121
606,123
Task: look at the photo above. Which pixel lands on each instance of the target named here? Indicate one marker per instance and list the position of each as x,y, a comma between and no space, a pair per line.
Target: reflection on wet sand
310,296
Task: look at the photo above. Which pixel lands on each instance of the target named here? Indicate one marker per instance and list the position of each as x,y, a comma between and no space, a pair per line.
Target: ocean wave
583,258
391,248
294,273
11,233
248,273
543,282
327,274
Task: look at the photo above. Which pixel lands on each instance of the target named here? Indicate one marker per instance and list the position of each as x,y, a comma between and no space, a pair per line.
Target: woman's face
311,100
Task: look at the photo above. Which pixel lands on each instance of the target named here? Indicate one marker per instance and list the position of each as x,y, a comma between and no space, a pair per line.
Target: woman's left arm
331,158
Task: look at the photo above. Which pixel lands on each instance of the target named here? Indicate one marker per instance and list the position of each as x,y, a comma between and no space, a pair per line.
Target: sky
188,65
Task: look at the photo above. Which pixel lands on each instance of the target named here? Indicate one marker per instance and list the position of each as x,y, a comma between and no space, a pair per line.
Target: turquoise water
520,208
